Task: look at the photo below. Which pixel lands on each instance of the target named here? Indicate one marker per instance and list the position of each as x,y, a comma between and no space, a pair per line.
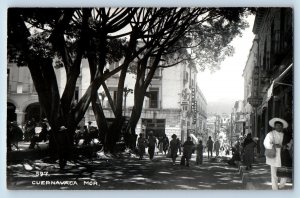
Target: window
153,99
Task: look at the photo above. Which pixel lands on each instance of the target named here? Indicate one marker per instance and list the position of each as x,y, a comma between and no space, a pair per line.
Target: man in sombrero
275,137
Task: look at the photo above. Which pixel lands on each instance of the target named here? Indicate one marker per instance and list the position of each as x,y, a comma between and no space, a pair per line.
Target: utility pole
231,128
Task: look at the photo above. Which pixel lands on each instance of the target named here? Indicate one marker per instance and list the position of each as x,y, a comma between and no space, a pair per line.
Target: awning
276,81
283,74
194,138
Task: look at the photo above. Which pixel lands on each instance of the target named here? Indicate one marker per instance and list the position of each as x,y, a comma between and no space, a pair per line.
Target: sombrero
62,128
273,120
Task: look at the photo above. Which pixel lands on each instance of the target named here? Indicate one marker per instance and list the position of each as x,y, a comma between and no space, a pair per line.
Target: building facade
269,71
175,104
22,99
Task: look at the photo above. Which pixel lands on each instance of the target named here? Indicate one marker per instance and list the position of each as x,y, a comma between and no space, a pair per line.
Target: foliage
142,38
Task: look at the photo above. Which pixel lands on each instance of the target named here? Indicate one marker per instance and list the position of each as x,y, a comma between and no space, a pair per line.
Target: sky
225,86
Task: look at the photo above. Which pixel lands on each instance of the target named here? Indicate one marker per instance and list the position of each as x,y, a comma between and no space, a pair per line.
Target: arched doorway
34,111
11,112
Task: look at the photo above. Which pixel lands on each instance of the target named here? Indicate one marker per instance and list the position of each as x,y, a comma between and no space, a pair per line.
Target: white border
4,4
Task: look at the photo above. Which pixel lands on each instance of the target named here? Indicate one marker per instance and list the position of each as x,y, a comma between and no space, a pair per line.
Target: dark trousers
185,160
209,151
151,151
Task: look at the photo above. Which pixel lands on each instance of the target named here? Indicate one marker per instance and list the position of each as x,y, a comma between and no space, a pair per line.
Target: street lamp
126,92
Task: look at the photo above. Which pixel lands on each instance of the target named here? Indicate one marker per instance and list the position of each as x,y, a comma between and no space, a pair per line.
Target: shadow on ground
123,173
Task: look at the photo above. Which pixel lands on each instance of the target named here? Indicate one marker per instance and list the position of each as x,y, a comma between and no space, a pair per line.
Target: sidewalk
126,173
259,178
210,175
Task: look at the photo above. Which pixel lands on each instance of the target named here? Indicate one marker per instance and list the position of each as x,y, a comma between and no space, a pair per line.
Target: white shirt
273,137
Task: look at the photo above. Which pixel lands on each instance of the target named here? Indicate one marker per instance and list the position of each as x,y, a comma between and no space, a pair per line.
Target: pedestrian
188,147
64,146
9,136
160,145
141,144
174,147
217,147
165,144
42,136
227,148
77,135
29,131
221,150
236,155
152,143
199,150
179,142
14,135
248,150
275,139
209,145
86,136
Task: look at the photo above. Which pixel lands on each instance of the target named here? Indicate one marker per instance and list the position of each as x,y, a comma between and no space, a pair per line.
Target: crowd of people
173,148
243,149
36,132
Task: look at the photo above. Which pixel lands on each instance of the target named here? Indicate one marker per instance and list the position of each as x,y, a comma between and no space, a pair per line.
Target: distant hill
220,107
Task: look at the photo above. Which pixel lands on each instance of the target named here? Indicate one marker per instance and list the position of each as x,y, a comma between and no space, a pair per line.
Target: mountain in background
220,107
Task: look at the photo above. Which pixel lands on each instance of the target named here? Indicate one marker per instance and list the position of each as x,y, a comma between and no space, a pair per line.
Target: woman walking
199,159
174,146
141,144
152,143
248,148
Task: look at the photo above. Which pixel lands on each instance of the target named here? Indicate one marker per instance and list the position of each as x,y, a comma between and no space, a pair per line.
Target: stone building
176,104
269,71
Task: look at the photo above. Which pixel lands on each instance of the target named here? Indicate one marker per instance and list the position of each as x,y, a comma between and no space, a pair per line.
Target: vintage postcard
150,98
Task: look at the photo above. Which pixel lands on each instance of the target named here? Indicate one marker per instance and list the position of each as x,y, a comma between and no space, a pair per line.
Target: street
84,81
125,173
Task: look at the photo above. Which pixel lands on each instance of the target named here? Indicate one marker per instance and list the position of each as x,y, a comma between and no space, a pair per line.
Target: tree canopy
141,39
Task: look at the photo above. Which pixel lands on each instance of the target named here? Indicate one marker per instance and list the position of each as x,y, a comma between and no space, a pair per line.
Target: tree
199,37
38,36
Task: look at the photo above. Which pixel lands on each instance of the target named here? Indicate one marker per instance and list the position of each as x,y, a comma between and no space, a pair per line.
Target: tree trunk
114,132
44,80
100,119
135,116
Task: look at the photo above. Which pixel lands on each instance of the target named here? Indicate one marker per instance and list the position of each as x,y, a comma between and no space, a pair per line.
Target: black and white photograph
150,98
